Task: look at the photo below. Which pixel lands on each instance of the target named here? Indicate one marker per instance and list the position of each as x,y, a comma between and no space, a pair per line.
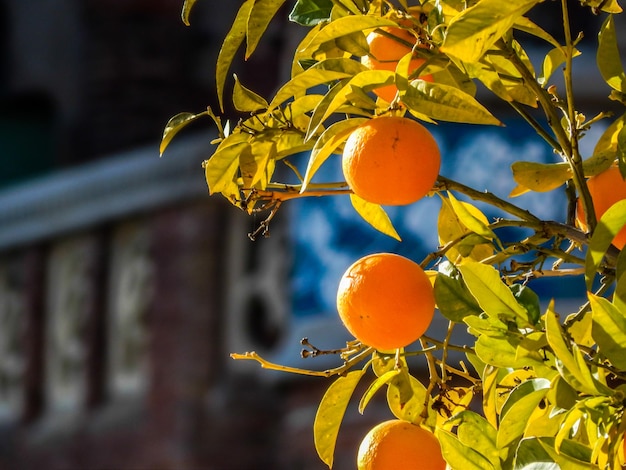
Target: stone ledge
114,187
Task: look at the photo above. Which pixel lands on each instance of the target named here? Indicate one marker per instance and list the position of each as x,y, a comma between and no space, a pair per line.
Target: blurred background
124,287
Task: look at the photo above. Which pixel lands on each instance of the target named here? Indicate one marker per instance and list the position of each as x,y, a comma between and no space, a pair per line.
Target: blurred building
123,286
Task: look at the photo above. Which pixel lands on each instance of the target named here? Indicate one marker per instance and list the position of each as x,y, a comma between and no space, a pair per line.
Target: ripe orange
385,52
385,300
606,189
395,444
391,160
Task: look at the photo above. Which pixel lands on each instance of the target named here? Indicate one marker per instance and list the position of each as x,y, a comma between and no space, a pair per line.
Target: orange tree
550,385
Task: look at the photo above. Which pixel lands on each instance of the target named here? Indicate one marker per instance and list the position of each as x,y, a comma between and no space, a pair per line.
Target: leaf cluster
550,387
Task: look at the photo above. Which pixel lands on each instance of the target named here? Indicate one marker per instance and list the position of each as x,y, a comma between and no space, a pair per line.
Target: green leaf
608,226
608,56
494,297
175,125
330,414
231,44
310,78
477,433
408,403
459,455
551,62
526,25
311,12
446,103
575,372
374,215
539,453
514,422
453,299
499,352
246,100
338,94
520,391
333,137
344,26
609,330
375,386
450,228
187,5
473,221
221,169
529,299
262,13
476,29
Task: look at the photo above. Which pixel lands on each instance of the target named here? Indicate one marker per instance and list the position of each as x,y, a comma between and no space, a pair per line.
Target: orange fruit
391,160
385,52
385,300
606,189
395,445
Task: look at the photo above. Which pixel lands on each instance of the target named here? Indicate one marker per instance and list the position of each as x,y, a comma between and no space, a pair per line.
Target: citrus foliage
550,386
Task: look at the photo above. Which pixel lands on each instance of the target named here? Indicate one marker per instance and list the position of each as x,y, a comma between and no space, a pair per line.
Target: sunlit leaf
374,215
450,227
551,62
344,26
609,330
375,386
221,168
262,13
474,31
569,367
446,103
338,94
608,56
454,300
231,44
330,414
333,137
187,5
310,78
175,125
459,455
495,298
477,433
246,100
513,423
608,226
311,12
526,25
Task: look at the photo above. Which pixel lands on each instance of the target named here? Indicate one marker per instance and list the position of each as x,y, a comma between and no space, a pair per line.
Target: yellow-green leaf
551,62
326,71
540,177
494,297
330,414
608,57
472,218
334,136
459,455
374,215
375,386
174,125
187,5
609,330
473,32
526,25
344,26
262,13
221,168
446,103
231,44
245,100
450,228
608,226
